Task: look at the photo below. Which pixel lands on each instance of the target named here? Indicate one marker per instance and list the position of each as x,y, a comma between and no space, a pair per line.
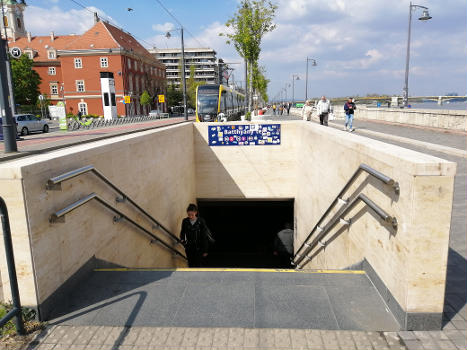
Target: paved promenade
453,336
40,142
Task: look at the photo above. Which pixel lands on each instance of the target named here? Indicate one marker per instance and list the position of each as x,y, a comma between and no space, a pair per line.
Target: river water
446,106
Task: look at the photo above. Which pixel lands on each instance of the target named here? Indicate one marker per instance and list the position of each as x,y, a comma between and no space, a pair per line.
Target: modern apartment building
203,59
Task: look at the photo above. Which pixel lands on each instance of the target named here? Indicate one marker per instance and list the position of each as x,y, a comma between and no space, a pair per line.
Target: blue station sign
245,135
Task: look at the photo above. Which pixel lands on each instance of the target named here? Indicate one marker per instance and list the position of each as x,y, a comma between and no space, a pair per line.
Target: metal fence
93,123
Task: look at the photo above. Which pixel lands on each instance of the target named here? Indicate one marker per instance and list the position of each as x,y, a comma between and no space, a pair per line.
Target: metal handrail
10,260
55,184
363,167
59,216
337,217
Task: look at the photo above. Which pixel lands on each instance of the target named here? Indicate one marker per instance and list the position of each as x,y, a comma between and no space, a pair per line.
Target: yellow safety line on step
186,269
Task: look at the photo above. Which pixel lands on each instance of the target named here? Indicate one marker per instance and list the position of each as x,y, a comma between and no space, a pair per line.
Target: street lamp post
294,77
425,16
185,113
313,63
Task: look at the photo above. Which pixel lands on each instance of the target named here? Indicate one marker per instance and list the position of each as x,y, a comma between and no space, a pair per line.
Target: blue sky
359,44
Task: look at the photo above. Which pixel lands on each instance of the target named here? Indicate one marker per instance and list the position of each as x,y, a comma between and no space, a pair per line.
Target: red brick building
70,67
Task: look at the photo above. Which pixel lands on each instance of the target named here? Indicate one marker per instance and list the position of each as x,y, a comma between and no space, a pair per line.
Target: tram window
207,103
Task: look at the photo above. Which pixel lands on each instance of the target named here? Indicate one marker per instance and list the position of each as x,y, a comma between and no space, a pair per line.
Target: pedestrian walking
288,108
281,109
324,108
307,110
349,108
274,109
195,237
283,246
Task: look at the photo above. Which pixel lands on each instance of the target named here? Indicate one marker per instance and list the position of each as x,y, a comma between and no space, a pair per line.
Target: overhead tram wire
107,19
179,23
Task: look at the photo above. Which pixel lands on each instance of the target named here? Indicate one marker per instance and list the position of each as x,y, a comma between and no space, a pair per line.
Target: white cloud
167,26
41,21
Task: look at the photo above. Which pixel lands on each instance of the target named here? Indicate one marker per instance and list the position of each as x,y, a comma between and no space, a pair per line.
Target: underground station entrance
245,230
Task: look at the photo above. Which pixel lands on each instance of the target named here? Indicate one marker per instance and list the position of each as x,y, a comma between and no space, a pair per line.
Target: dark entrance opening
244,231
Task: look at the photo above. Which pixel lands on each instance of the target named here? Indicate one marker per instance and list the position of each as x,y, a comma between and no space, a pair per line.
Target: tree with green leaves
174,96
191,85
246,29
26,80
260,83
145,99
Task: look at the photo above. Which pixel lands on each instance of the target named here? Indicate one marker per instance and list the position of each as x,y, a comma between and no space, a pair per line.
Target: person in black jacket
349,108
194,236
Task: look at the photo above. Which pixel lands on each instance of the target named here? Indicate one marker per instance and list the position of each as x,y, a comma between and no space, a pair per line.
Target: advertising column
109,104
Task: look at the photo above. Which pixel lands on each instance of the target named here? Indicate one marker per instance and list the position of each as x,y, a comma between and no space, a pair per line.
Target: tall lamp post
294,77
185,113
424,17
313,63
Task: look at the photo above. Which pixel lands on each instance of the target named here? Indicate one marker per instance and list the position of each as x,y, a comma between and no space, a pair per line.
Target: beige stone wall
435,118
155,168
411,260
246,171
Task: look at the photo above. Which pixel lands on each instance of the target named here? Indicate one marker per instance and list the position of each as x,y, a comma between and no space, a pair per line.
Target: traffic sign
15,52
161,98
127,99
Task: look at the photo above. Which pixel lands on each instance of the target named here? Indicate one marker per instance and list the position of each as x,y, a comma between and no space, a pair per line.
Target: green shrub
248,116
29,318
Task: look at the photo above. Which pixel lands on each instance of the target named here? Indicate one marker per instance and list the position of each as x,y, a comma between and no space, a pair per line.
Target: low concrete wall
411,261
167,168
142,165
434,118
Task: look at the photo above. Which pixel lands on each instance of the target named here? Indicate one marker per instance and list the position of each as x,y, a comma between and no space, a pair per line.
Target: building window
104,62
29,54
83,108
78,63
129,63
80,85
54,89
18,22
52,71
51,55
136,65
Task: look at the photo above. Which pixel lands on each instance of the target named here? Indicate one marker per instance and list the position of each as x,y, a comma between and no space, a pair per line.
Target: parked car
25,123
155,113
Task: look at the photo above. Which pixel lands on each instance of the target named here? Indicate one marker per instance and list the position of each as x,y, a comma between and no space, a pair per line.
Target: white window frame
78,84
54,89
52,71
78,63
104,61
51,54
83,108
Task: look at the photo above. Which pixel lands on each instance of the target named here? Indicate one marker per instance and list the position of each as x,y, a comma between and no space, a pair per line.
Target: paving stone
392,338
460,324
448,326
129,338
330,340
430,344
282,338
236,337
44,334
407,335
175,337
86,335
298,338
266,338
44,346
190,337
422,335
438,335
221,337
145,336
114,335
413,344
345,340
206,337
251,338
446,345
66,334
159,336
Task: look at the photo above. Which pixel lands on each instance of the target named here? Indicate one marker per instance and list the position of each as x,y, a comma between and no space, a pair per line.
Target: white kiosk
109,103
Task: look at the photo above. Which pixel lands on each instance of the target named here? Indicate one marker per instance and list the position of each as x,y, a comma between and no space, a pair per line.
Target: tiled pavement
159,338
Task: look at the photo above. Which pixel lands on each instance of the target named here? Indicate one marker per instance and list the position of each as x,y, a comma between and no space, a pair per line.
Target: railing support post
11,266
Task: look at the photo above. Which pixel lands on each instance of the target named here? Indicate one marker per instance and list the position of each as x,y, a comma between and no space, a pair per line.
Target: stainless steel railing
55,184
59,216
302,252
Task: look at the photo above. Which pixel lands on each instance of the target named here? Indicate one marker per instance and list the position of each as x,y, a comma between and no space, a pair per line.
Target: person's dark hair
192,207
